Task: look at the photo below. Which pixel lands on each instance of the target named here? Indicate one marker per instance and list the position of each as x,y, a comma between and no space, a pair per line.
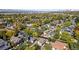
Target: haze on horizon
39,4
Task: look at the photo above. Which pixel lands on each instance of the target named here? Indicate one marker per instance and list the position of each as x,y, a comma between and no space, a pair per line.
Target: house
57,45
68,29
46,26
45,34
26,18
57,22
34,20
4,45
15,40
31,39
1,23
52,27
41,41
74,21
29,25
22,33
10,27
48,33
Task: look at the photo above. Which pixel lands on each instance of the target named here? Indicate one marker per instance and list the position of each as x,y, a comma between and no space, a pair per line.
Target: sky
39,4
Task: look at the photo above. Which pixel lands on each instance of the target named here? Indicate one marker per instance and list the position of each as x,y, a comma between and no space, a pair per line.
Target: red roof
1,22
59,45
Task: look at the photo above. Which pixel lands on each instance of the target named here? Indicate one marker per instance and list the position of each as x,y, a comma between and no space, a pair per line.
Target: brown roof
59,45
1,22
15,40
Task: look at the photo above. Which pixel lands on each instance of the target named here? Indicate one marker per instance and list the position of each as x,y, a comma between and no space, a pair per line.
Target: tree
57,32
45,21
56,36
35,34
67,23
66,37
47,47
77,21
2,34
10,33
22,46
28,31
35,25
76,33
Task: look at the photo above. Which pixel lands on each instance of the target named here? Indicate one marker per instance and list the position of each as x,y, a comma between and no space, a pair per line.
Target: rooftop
59,45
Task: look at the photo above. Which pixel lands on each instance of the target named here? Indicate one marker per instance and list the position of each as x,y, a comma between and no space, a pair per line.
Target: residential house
4,45
42,41
57,45
22,34
1,23
68,29
57,22
35,20
15,40
31,39
49,33
10,27
29,25
74,21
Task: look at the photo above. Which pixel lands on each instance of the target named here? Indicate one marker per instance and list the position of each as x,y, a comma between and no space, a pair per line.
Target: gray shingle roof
3,45
15,40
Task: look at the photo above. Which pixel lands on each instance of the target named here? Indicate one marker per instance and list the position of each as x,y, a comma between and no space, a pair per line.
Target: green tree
66,37
28,31
67,23
76,31
45,21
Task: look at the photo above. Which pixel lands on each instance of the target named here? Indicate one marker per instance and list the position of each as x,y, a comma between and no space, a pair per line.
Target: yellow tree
10,33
